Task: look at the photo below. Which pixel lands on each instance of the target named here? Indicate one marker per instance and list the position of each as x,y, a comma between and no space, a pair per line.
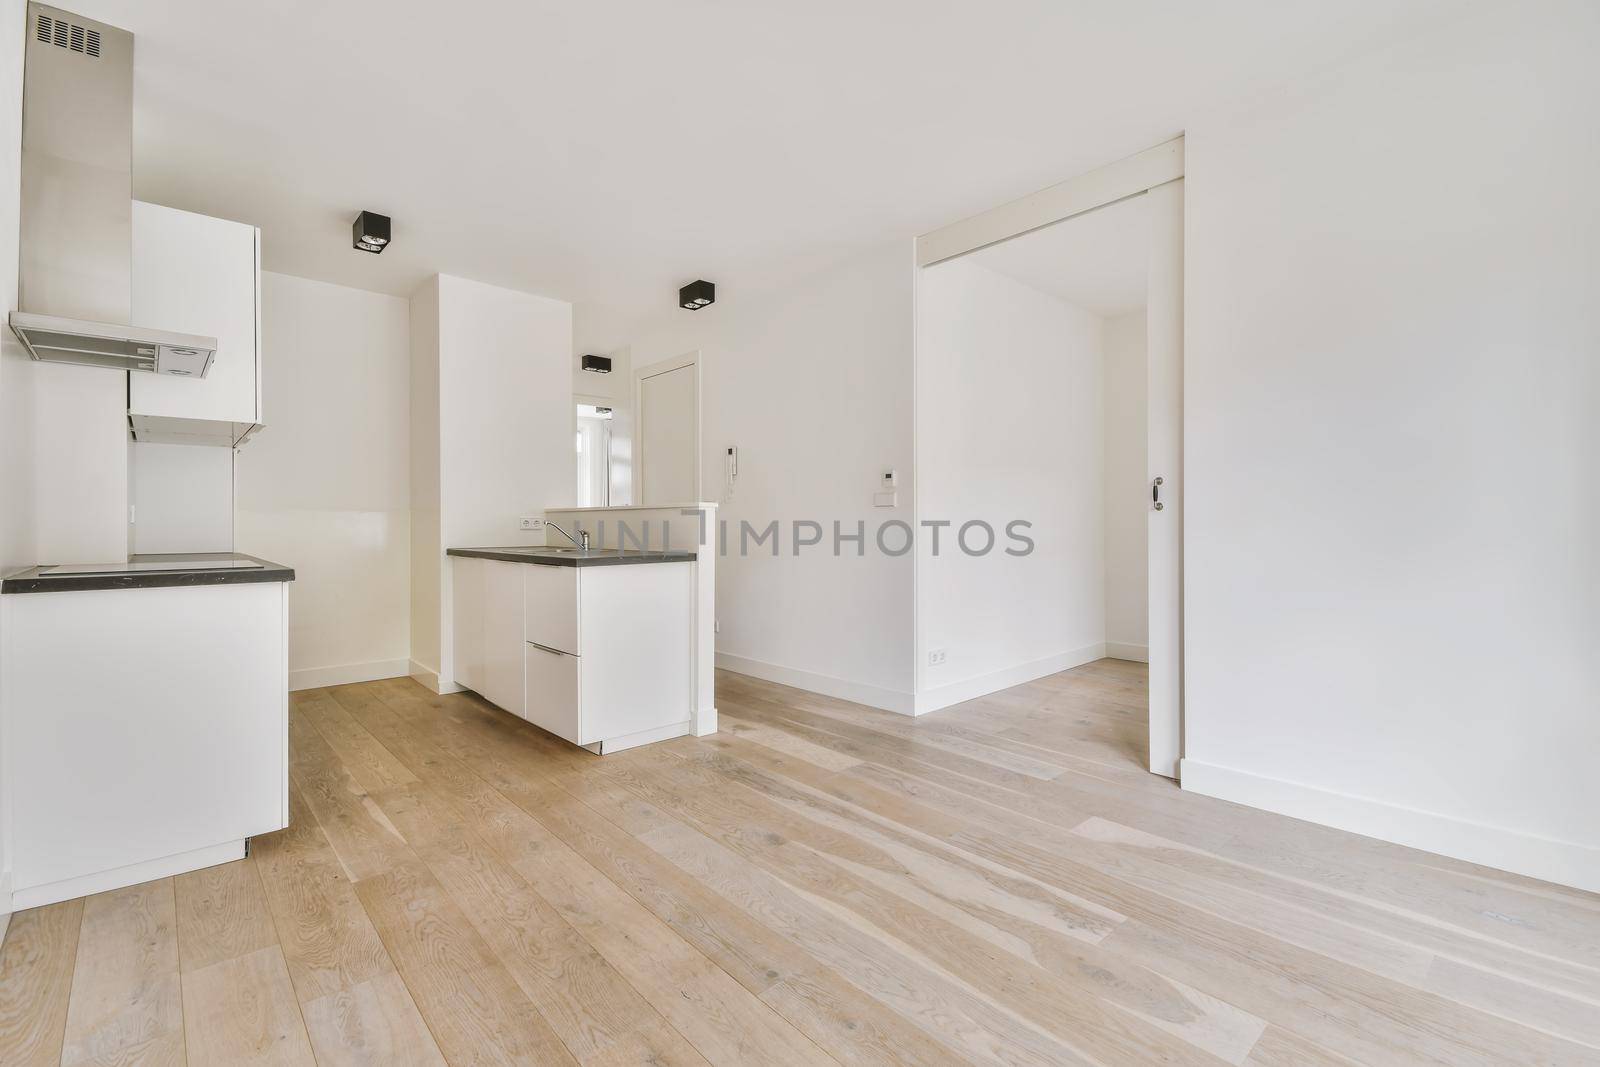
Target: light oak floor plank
127,1000
998,882
473,1007
241,1010
36,965
222,914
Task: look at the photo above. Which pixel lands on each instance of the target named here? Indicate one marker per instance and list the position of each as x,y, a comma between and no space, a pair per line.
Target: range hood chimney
75,269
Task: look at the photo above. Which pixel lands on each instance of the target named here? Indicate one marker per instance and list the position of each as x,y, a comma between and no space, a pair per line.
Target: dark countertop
157,570
568,557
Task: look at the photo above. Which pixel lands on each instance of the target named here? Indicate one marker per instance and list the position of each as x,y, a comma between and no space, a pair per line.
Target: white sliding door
1164,448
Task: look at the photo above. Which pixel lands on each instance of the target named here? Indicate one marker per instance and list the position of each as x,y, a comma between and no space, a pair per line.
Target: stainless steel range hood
74,272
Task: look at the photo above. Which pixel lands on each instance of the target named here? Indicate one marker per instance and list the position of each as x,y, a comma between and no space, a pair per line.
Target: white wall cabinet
603,655
196,274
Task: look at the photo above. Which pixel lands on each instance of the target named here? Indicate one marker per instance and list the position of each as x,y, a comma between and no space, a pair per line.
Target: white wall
492,428
1009,426
1393,373
1127,496
80,463
16,393
506,413
812,383
325,486
427,559
182,498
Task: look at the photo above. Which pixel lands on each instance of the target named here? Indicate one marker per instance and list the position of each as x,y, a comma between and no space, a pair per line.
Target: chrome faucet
581,533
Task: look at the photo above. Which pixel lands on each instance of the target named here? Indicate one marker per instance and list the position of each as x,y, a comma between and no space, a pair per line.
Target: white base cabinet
604,654
487,624
146,731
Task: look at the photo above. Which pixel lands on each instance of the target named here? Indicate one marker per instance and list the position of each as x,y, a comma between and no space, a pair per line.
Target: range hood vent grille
68,35
100,344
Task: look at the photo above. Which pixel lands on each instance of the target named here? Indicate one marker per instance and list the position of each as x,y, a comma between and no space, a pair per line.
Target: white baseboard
1563,862
984,684
430,678
132,874
5,904
643,737
347,673
1134,653
861,693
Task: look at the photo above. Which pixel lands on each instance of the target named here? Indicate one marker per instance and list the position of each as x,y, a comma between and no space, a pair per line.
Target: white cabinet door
196,274
142,724
502,634
551,607
638,649
552,692
466,615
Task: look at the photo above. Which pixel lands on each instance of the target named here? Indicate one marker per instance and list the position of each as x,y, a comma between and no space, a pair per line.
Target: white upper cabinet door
196,274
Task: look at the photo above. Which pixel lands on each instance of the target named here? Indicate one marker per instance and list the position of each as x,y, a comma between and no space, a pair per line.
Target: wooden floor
997,882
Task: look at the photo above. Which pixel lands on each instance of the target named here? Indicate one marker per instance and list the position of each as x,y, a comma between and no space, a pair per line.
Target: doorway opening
1049,391
593,448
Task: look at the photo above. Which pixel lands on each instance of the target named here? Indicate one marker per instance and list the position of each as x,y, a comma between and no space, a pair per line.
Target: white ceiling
607,151
1099,261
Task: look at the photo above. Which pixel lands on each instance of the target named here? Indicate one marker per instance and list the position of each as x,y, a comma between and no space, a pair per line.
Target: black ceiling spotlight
697,295
370,232
598,364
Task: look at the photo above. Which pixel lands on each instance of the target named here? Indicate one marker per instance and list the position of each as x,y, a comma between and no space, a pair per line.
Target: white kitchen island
596,647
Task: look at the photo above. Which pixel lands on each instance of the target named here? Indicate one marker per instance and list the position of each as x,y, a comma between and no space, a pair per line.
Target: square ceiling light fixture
370,232
697,295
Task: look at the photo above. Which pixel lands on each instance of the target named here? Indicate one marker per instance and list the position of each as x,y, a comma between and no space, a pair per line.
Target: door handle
1155,493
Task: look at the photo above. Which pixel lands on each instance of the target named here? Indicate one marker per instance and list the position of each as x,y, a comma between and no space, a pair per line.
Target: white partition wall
1391,394
491,436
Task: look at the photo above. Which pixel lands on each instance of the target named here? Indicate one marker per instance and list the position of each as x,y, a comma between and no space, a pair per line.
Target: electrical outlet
936,657
532,522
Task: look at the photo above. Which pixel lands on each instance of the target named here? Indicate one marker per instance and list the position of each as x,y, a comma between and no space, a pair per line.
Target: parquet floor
997,882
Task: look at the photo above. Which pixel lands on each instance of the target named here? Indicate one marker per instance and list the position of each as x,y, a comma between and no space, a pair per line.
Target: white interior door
1164,347
668,453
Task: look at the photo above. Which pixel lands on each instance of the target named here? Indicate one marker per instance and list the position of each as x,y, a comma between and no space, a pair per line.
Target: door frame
641,461
1138,174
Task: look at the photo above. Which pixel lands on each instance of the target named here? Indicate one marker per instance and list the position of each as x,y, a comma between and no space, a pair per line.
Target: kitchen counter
146,718
149,571
573,557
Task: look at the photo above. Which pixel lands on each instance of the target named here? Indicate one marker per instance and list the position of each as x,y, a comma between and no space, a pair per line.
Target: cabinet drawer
550,606
552,690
